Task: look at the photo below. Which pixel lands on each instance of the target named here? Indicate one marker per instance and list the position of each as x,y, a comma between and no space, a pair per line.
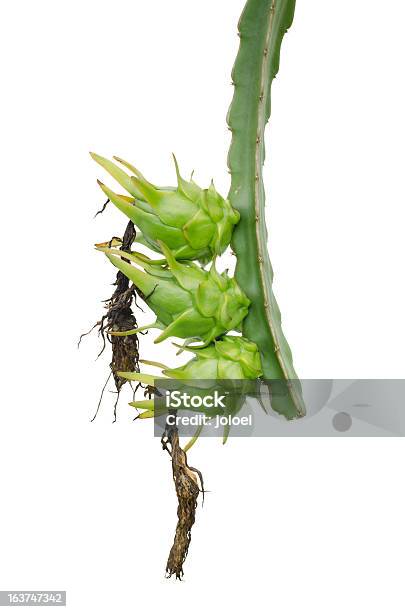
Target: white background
289,523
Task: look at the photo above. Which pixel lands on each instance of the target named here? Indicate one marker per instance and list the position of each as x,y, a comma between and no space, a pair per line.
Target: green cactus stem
261,29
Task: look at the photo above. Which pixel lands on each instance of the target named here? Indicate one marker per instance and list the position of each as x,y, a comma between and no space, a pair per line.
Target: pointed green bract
146,379
142,280
143,404
119,175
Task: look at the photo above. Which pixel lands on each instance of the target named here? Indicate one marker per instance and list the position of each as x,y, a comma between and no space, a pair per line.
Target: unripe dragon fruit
194,223
230,357
189,302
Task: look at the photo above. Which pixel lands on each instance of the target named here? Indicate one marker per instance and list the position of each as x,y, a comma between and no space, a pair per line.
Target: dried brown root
188,482
120,317
102,209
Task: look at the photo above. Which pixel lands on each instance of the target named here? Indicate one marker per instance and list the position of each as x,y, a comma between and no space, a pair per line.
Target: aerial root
188,483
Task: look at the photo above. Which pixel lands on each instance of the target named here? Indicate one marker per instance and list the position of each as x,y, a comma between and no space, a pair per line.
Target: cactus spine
261,28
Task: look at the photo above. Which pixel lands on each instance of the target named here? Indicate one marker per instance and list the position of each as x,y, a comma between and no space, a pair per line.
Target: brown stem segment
187,481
